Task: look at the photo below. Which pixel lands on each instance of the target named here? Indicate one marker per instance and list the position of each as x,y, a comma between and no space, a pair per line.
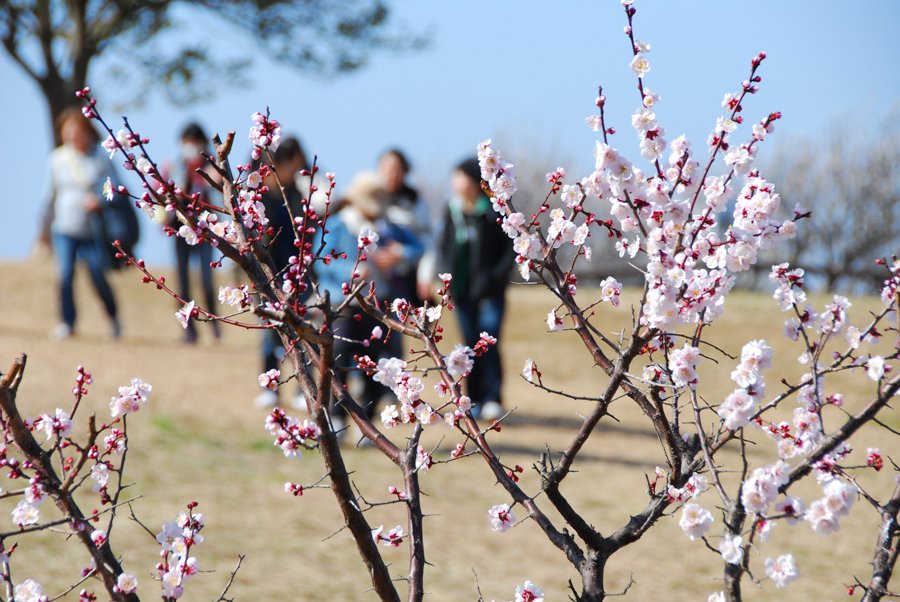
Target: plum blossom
695,521
610,289
512,223
265,133
183,315
501,517
730,548
640,65
58,425
291,434
683,366
459,361
131,398
98,536
127,584
875,368
781,570
530,370
269,379
392,538
100,475
189,235
25,514
424,461
529,592
30,591
234,297
367,241
554,322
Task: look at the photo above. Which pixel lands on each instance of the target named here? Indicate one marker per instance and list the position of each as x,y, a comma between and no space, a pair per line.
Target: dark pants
475,317
344,350
68,250
183,253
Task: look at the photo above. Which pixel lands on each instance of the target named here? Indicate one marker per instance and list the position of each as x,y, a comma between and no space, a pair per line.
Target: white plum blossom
127,584
265,133
695,521
424,460
459,361
529,592
100,475
530,370
554,322
501,517
25,514
684,365
390,417
571,195
183,315
234,297
269,379
875,368
610,289
143,165
131,398
189,235
367,241
58,425
730,548
640,65
30,591
781,570
512,223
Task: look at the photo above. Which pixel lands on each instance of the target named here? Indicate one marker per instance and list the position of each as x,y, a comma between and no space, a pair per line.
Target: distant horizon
529,81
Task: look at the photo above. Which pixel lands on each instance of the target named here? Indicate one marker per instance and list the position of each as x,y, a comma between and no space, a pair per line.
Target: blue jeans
486,379
68,250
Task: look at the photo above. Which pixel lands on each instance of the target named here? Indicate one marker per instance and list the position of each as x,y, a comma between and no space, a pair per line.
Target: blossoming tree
669,219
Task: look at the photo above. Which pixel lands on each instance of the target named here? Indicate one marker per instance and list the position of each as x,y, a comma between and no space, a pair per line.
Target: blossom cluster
292,434
177,539
393,373
741,404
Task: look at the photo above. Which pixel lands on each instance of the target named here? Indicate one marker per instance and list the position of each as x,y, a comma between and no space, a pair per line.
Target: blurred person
289,161
398,248
184,173
474,248
408,209
77,173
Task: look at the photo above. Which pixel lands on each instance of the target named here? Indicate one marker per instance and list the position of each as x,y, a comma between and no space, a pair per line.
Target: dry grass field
200,438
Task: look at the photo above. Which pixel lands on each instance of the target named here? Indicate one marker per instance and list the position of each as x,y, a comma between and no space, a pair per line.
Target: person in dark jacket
475,250
184,172
289,160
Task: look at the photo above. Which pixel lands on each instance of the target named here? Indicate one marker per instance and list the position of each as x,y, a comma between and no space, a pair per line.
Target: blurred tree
851,183
56,41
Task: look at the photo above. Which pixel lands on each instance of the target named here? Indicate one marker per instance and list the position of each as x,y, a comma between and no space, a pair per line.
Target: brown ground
201,439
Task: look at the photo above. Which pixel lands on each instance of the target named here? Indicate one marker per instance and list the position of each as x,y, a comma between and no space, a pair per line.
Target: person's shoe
61,331
116,329
491,410
266,399
299,402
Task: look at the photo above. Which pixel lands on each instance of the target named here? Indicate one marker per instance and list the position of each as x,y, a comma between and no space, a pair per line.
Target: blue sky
525,73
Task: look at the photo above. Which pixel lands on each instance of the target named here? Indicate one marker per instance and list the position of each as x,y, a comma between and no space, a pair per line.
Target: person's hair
290,148
75,114
194,132
400,156
471,169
